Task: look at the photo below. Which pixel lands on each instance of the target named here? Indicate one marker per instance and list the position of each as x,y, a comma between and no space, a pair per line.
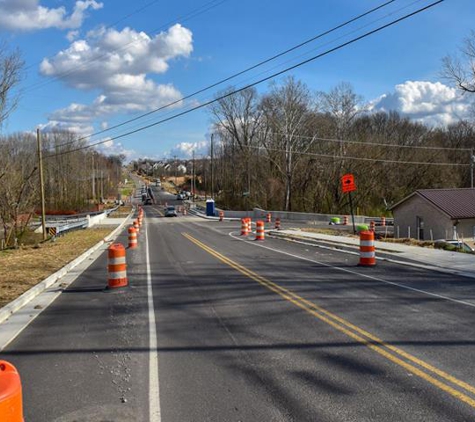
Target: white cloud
434,104
108,55
117,63
185,150
29,15
110,147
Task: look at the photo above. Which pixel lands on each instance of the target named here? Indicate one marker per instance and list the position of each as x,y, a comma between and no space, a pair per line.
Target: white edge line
154,391
402,286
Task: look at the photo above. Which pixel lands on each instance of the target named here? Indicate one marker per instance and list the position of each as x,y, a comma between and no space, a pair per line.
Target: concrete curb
29,295
314,242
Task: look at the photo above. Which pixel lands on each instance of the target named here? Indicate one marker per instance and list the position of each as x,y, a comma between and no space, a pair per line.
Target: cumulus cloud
110,147
107,56
433,104
117,64
185,150
29,15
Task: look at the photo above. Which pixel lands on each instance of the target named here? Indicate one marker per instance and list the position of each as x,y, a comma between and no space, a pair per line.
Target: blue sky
92,64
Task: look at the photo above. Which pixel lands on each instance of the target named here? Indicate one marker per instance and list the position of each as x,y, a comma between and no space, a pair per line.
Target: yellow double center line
392,353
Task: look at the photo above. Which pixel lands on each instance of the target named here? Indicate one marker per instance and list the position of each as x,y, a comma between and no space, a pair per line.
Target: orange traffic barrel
259,230
345,220
367,249
132,237
140,221
11,402
372,225
277,223
249,224
244,226
268,217
137,226
184,211
383,221
116,266
221,216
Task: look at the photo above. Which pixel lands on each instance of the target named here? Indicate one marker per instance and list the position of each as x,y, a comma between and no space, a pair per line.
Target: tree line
288,148
75,178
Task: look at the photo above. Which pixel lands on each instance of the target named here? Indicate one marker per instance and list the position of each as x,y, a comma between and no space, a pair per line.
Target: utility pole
176,168
472,159
212,167
42,184
93,179
193,181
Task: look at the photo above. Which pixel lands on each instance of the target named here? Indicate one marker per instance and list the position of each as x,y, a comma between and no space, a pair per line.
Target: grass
25,267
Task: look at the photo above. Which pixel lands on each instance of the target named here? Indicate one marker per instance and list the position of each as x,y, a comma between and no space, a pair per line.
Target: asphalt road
217,327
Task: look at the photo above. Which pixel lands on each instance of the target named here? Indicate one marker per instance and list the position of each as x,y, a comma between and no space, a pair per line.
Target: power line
200,106
235,75
340,157
343,141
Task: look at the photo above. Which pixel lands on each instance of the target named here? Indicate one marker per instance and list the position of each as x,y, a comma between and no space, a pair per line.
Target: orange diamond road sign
348,183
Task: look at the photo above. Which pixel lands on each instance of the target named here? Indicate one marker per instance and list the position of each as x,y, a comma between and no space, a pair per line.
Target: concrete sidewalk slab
456,262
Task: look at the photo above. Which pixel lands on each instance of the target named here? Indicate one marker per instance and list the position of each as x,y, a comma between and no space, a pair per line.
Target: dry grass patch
25,267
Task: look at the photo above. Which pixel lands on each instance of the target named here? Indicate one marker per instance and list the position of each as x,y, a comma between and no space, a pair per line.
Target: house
430,214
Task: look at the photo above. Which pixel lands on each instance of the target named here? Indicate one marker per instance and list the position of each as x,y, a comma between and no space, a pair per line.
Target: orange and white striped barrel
345,220
372,225
269,218
259,230
132,237
116,266
221,216
11,401
136,226
244,226
277,223
184,211
249,224
140,221
383,221
367,249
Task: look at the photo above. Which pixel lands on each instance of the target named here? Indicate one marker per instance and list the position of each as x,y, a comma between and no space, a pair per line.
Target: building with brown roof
430,214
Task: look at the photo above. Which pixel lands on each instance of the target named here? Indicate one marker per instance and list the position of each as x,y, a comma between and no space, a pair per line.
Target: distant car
170,212
180,197
457,244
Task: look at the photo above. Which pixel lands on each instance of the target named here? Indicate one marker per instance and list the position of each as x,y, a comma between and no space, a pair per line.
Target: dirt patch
25,267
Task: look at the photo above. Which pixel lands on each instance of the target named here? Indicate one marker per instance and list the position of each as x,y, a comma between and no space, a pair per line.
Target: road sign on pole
348,186
348,183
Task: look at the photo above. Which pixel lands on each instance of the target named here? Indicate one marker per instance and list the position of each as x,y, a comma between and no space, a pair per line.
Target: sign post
348,186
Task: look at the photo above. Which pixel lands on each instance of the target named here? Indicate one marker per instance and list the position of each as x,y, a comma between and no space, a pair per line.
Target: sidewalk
436,259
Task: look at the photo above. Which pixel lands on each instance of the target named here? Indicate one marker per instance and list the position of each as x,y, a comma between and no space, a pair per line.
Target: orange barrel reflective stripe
116,266
383,221
259,230
244,227
132,237
372,225
345,220
11,402
367,249
137,226
268,217
277,223
221,216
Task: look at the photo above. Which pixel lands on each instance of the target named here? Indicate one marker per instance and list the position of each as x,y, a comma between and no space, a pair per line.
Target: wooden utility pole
212,168
42,184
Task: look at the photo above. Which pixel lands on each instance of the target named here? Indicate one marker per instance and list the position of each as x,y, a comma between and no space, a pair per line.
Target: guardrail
56,226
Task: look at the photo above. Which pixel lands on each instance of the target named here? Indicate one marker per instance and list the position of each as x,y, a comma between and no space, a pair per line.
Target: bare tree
11,65
461,70
287,111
